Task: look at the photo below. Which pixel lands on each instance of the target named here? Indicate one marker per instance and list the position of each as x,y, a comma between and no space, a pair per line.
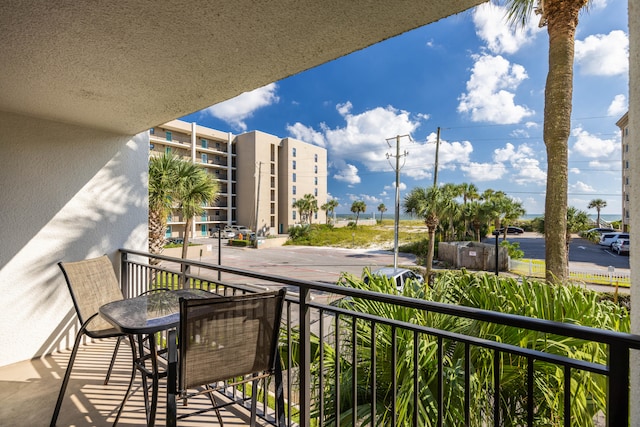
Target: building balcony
394,370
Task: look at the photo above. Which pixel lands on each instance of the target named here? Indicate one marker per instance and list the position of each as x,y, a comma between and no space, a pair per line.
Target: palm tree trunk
429,260
562,21
185,248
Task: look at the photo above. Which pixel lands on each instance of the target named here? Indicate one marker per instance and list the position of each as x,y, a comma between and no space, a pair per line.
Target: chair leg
254,401
214,404
133,377
113,360
280,418
67,375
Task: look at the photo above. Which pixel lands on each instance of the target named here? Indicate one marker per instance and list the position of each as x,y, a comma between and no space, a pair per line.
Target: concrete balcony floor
28,391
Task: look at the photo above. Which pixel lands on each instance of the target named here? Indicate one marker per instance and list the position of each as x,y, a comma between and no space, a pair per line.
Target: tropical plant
329,207
194,189
427,203
561,19
453,209
307,206
598,204
357,207
162,178
511,210
469,192
366,356
382,209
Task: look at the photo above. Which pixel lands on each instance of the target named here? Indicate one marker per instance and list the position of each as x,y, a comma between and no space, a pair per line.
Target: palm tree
357,207
427,203
329,207
561,19
162,178
194,189
469,193
453,211
307,206
598,204
382,209
511,211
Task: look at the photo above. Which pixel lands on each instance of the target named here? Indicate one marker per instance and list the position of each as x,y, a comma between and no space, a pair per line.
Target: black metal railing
334,364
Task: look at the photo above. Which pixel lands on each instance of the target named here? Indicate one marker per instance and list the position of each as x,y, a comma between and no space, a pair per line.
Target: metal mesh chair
226,341
92,283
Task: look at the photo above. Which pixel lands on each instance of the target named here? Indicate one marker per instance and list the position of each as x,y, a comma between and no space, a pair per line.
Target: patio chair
224,342
92,283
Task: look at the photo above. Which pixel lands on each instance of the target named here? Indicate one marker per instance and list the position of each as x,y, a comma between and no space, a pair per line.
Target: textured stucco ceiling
127,65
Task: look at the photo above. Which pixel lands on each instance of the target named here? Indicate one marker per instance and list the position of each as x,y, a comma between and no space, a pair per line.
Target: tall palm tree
195,188
307,205
382,209
598,204
453,209
469,193
357,207
427,203
561,19
162,180
511,211
329,207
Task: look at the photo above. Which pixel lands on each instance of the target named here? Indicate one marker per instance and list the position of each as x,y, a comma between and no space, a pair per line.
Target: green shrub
513,248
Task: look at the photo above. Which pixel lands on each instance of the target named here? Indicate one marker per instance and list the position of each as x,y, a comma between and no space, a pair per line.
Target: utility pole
435,170
397,203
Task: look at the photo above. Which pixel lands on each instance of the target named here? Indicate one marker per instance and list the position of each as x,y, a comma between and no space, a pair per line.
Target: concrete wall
68,193
473,256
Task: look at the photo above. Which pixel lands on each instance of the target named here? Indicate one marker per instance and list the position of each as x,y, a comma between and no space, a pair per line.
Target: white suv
399,276
608,239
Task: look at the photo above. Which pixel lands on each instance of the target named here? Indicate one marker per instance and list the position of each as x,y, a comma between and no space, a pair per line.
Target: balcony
322,341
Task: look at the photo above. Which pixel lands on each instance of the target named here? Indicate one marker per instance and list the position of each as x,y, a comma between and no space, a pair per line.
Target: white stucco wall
634,151
68,193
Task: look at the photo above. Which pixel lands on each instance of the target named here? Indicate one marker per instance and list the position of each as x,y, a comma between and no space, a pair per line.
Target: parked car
228,232
608,239
600,230
176,240
621,246
399,276
511,230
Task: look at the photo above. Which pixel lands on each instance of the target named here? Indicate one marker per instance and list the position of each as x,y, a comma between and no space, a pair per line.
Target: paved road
580,251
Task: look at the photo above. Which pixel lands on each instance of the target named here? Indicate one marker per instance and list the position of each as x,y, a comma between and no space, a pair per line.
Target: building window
203,217
167,150
626,196
315,192
293,214
315,180
626,148
626,180
315,169
217,145
293,190
315,215
204,158
293,177
293,201
151,131
626,131
626,164
168,232
204,143
293,164
203,229
168,135
315,158
293,151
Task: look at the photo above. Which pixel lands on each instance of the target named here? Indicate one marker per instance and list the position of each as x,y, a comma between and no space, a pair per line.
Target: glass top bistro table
145,316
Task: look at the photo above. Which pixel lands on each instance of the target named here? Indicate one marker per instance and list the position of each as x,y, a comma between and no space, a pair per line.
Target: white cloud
493,28
618,106
401,187
581,187
589,145
307,134
575,171
236,110
348,173
603,55
605,166
490,91
479,172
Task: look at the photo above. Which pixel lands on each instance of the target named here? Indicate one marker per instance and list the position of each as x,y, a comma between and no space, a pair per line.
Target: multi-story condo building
623,124
260,176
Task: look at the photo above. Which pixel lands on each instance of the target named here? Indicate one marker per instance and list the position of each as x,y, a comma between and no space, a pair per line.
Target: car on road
600,230
175,240
621,246
608,239
511,230
398,275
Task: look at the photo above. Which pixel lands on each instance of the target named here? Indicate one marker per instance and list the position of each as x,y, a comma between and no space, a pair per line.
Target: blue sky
476,79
